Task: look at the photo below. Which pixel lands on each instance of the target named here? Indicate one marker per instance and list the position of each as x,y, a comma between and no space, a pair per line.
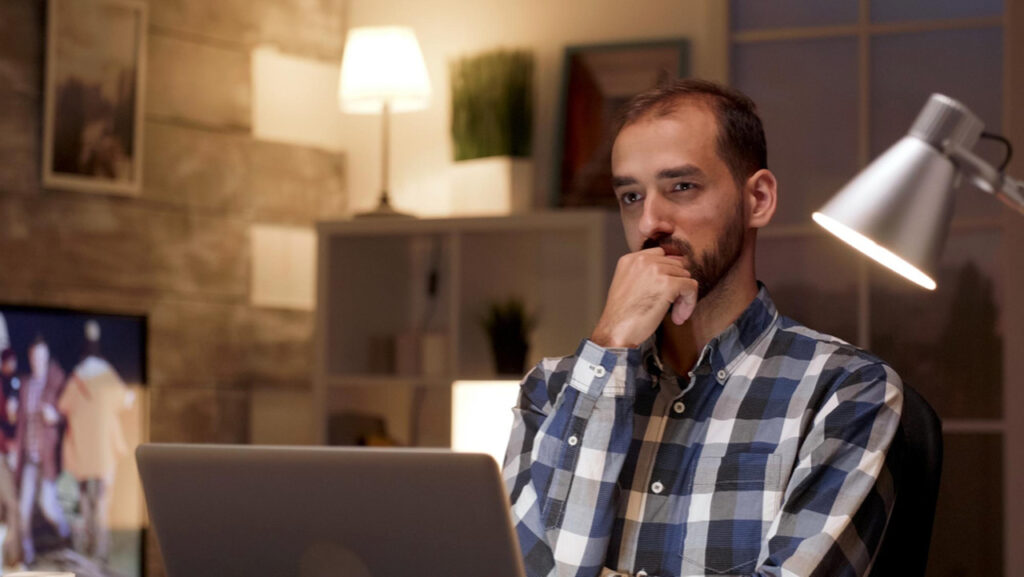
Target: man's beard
710,267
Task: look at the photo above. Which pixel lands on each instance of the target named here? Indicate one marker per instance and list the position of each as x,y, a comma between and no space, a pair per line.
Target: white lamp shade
897,211
383,64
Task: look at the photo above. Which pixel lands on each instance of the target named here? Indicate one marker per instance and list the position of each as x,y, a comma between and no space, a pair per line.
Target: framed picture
597,80
95,79
74,406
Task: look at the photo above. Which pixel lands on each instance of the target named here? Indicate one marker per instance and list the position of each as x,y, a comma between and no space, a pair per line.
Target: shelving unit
383,284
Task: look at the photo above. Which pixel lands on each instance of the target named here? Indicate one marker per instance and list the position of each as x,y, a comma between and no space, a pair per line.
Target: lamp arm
986,177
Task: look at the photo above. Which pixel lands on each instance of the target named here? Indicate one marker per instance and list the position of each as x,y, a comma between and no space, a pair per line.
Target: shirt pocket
734,498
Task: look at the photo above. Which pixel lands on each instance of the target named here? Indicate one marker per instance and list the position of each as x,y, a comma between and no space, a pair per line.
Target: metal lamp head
897,210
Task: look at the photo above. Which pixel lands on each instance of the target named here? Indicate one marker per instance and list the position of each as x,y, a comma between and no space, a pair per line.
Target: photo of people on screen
69,419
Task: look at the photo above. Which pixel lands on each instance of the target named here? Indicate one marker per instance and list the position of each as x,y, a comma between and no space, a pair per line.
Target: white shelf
373,278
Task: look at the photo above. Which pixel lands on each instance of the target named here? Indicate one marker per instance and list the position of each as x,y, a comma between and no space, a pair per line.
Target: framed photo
95,82
597,80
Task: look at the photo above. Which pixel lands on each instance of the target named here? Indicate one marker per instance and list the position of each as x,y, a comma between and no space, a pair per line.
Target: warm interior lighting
482,416
383,64
382,71
880,254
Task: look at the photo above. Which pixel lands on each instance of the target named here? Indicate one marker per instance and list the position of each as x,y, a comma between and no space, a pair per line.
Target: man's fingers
684,303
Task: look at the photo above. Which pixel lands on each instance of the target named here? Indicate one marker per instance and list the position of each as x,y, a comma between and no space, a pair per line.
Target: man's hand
646,283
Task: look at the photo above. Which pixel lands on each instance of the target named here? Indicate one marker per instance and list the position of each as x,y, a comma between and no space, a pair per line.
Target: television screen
72,410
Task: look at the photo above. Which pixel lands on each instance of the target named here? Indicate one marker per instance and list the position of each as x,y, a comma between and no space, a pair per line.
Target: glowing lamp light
897,210
482,416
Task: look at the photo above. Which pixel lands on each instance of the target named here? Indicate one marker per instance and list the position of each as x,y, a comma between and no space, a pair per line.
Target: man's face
9,367
675,192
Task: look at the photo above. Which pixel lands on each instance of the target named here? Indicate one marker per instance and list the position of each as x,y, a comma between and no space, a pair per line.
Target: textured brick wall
179,252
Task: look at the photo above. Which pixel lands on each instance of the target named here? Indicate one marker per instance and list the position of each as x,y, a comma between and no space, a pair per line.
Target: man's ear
760,195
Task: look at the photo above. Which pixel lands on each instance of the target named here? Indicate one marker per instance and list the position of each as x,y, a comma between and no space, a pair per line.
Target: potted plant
492,132
508,327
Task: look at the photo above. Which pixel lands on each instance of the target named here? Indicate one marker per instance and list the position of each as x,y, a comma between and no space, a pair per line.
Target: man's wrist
601,371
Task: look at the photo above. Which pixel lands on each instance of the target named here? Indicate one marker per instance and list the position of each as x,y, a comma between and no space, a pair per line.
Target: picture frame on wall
597,80
94,95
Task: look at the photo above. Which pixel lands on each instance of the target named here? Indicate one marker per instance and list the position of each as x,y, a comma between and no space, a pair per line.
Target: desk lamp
382,72
897,210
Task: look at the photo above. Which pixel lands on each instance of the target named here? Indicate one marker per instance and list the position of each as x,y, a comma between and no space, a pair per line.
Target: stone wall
179,252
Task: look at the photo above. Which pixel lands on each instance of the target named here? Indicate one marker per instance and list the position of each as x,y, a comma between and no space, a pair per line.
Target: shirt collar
726,351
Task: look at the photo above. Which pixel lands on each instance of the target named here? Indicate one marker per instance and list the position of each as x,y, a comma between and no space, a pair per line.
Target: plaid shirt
768,458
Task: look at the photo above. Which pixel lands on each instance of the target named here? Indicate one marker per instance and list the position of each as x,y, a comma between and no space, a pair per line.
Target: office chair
904,549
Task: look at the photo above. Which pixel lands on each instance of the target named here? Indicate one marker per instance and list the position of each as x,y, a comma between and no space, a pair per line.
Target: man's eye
629,198
682,186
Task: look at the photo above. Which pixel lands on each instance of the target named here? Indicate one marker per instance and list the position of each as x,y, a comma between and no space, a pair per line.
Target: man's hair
38,340
741,142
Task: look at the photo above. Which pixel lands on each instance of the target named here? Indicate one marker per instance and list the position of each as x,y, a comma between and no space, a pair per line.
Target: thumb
683,307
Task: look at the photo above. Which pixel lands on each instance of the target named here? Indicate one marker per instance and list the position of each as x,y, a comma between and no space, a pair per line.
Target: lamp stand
384,208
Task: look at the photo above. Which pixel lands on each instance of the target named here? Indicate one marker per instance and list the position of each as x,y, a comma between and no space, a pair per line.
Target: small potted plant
492,129
508,327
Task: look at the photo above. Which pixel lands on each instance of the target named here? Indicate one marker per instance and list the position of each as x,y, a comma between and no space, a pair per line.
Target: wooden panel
196,82
80,240
193,168
314,29
295,184
21,46
199,416
20,144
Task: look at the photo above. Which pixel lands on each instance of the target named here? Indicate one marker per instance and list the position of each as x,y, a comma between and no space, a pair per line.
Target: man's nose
655,219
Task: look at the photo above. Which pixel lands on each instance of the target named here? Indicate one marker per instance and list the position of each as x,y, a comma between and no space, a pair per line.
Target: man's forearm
572,430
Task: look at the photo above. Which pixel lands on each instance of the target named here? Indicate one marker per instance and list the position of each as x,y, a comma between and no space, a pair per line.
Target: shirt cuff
602,371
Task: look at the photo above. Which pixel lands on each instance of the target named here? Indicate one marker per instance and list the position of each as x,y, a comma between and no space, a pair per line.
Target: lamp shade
897,210
382,64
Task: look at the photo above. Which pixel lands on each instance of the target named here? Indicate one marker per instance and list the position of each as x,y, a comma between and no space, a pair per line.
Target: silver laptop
224,511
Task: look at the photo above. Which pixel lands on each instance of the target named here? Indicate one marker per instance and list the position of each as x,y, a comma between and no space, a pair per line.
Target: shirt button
721,375
679,407
599,371
573,440
657,487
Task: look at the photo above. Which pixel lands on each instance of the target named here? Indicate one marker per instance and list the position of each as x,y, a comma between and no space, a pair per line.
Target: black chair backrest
904,550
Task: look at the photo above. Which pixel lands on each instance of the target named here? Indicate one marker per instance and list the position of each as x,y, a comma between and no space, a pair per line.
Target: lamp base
383,210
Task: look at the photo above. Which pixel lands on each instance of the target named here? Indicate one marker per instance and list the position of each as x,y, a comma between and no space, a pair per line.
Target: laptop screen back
222,511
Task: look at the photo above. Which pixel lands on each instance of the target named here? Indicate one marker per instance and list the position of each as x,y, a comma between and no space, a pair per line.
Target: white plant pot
495,185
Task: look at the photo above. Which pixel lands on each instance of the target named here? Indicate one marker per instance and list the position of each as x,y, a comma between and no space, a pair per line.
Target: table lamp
897,210
382,71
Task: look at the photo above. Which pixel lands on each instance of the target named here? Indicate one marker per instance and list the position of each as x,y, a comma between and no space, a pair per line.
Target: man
93,401
697,431
38,437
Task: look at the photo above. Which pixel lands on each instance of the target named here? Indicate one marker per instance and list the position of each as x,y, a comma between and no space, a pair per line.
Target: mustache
671,246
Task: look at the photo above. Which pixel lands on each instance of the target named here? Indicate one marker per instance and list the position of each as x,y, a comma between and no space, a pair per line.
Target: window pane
963,64
758,14
968,534
902,10
946,343
806,91
813,280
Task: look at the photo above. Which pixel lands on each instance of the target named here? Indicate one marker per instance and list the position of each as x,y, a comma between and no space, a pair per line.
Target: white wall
420,142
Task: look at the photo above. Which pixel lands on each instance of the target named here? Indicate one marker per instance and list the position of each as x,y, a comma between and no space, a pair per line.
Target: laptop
224,511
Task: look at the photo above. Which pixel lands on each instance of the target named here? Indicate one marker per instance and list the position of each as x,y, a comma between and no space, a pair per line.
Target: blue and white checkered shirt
768,458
